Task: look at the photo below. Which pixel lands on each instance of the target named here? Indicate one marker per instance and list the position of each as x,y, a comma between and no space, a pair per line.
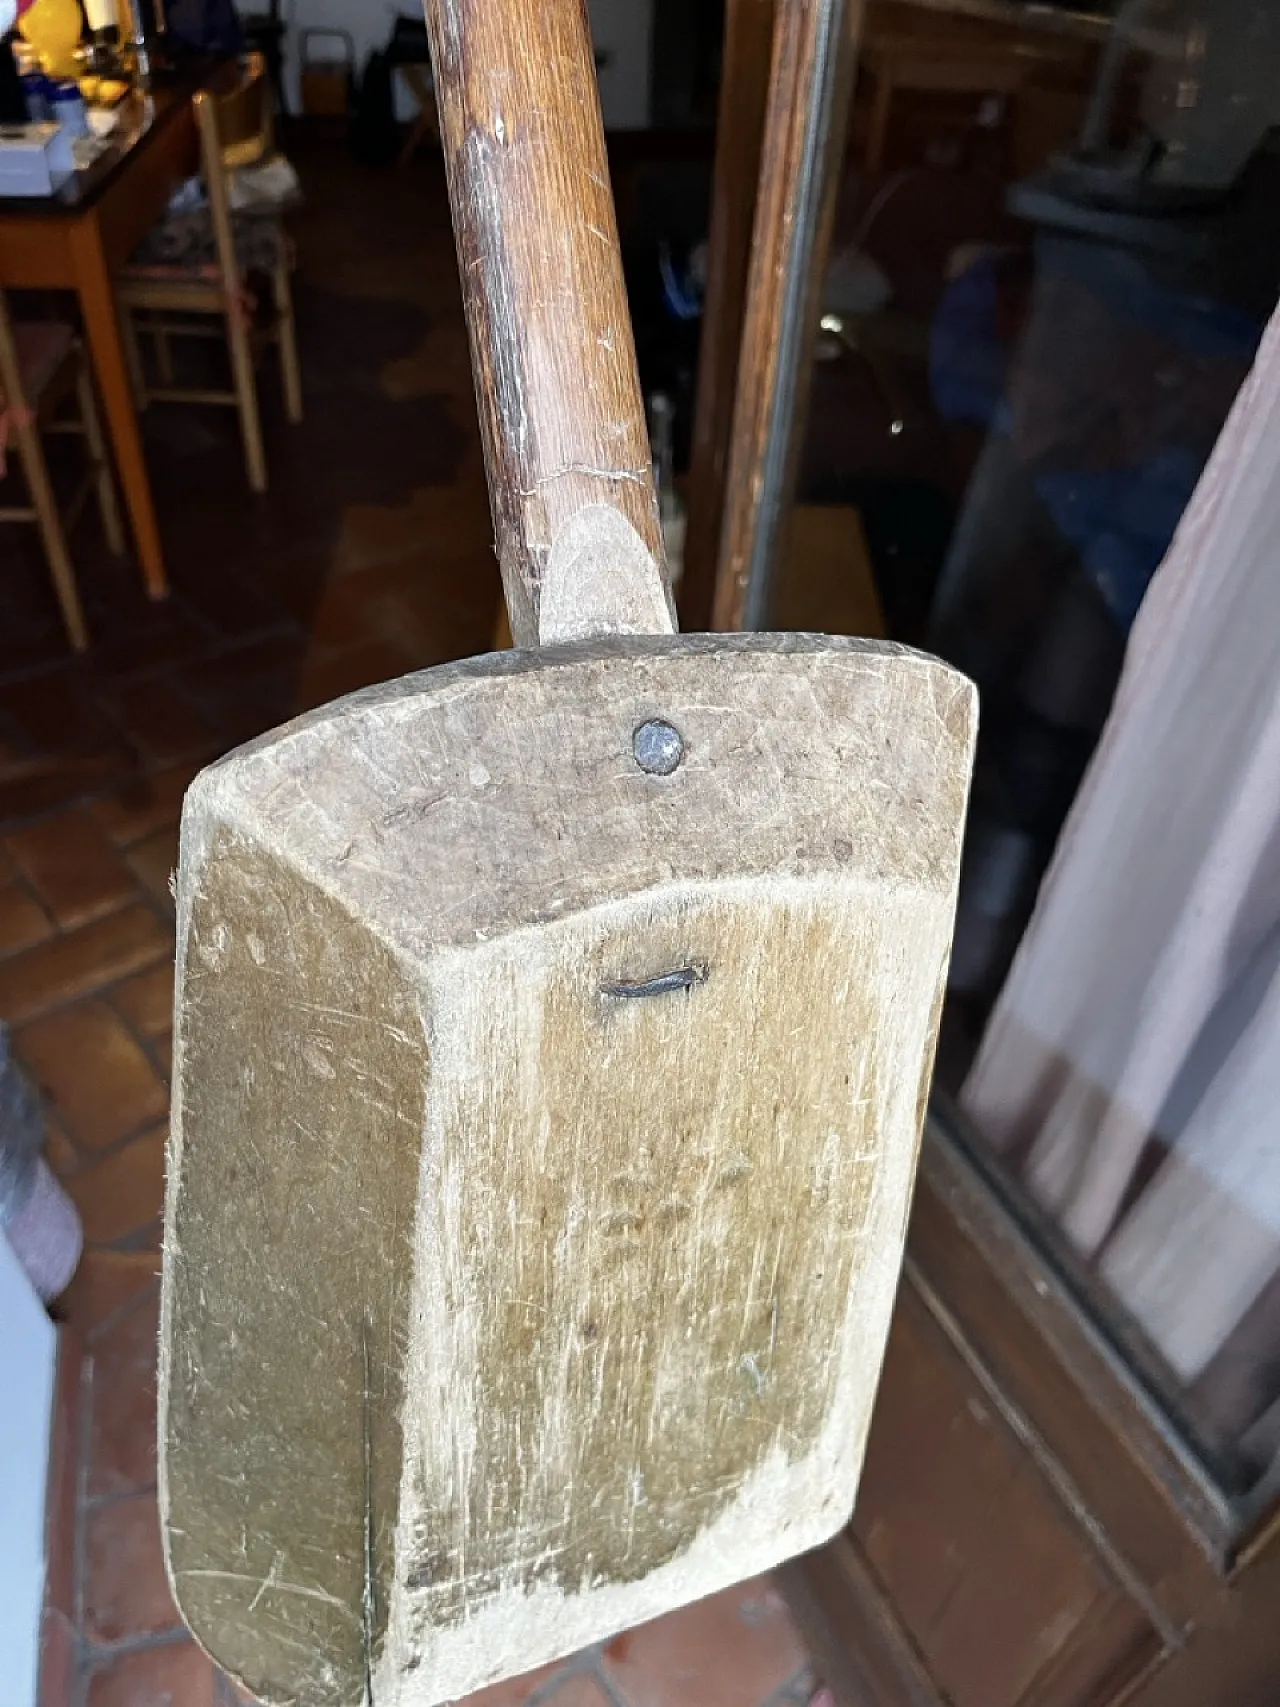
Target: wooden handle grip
561,414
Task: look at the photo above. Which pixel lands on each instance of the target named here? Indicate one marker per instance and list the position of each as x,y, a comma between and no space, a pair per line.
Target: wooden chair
426,123
235,131
265,31
42,366
925,51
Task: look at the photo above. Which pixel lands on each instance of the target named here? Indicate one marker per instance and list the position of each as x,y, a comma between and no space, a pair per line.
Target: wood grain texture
506,1304
947,1484
740,120
102,332
814,54
852,1630
1135,1476
1007,1347
561,414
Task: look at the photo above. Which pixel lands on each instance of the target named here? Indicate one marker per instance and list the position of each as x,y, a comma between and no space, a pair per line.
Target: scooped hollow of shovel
553,1036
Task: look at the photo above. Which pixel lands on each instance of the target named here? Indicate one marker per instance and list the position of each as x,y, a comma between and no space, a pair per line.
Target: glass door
1056,252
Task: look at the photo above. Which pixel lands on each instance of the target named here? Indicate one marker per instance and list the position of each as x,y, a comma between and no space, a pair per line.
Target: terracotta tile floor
371,556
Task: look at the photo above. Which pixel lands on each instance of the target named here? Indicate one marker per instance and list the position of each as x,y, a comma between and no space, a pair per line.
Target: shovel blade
543,1137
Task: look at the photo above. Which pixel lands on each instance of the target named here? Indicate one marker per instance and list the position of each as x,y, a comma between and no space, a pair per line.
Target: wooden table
78,238
963,50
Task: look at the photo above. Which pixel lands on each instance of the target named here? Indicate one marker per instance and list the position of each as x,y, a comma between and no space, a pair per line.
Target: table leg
102,330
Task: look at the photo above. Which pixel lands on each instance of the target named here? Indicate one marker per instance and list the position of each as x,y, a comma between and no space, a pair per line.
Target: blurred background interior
1038,251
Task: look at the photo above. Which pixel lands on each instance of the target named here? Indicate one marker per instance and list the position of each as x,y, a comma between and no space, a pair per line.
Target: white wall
622,29
368,22
26,1394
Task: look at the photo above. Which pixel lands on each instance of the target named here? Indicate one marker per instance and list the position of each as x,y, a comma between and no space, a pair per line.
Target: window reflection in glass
1055,258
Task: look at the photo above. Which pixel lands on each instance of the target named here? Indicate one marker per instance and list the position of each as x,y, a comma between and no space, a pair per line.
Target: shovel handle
570,474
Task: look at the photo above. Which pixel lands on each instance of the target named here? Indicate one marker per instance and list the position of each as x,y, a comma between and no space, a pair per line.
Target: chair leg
55,543
286,332
97,449
419,131
246,387
275,71
132,355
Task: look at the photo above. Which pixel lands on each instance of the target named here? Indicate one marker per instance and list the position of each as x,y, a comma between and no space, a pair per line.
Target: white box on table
34,158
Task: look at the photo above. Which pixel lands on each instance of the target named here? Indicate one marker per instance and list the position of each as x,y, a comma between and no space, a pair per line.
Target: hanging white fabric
1145,997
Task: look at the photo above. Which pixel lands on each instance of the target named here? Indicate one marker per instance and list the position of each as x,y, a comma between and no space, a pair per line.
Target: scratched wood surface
542,1146
746,60
551,1045
561,414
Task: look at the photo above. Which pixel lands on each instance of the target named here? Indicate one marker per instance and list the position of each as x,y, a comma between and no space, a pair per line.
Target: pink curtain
1131,1068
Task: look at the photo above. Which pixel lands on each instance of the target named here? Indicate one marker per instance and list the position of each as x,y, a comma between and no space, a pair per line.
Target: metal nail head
658,747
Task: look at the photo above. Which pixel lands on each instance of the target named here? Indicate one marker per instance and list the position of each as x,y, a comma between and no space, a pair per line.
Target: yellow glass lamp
53,29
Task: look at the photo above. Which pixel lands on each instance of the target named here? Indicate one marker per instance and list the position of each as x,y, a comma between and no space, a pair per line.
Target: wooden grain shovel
552,1042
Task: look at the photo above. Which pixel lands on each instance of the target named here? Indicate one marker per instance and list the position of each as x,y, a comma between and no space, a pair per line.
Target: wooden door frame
1132,1484
778,152
740,124
1196,1583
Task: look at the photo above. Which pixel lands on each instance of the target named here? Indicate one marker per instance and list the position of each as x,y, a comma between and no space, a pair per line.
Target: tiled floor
371,556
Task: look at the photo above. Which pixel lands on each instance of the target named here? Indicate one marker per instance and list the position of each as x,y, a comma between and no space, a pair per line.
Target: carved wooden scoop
553,1034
